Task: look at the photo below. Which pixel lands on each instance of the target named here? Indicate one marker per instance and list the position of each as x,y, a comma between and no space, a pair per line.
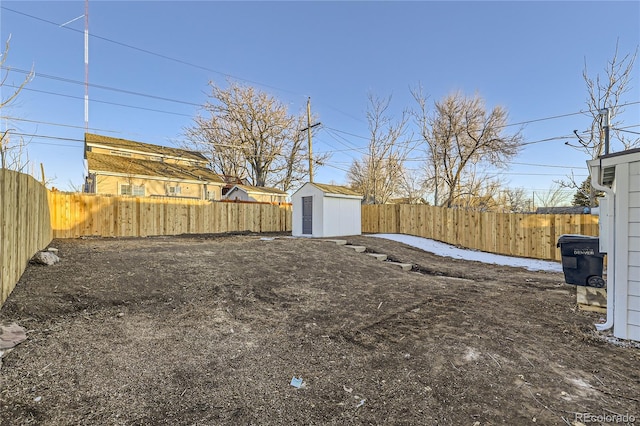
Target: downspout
611,258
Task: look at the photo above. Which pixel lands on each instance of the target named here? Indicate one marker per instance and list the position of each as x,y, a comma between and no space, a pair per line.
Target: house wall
154,187
342,216
633,231
270,198
237,194
241,195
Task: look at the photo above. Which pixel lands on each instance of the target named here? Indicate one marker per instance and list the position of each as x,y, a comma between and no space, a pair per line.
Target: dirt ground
211,330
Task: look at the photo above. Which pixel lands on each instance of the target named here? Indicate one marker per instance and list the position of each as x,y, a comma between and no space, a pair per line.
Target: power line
99,86
627,131
545,165
149,52
190,64
104,102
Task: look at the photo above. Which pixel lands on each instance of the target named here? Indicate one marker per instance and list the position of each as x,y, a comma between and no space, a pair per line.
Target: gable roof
140,167
129,145
258,190
335,189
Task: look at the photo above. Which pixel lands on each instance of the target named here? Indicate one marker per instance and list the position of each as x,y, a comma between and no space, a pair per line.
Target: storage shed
321,210
618,175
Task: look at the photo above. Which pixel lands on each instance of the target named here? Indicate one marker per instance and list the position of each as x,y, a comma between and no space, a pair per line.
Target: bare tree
379,174
605,96
412,186
607,92
249,134
431,171
460,136
556,196
514,200
13,152
478,190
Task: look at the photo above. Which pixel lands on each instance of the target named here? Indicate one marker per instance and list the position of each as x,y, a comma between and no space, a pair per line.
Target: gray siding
633,307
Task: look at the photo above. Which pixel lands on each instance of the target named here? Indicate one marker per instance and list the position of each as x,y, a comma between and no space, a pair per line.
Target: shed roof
335,189
93,139
140,167
258,190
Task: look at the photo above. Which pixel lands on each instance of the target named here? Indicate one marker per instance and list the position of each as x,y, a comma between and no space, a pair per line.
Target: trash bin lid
575,238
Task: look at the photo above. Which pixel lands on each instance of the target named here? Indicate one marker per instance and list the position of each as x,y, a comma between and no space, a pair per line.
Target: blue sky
525,56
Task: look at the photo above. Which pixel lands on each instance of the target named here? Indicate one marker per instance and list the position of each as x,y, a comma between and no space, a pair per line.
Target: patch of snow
447,250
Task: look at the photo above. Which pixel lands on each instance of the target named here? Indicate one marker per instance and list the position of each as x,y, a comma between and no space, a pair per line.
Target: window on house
135,190
174,190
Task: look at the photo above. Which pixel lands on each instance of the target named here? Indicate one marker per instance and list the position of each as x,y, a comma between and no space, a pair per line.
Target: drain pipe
611,258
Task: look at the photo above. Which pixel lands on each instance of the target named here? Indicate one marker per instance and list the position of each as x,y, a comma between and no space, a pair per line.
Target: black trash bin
581,260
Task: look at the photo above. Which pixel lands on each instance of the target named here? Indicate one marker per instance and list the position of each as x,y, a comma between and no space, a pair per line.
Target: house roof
258,190
408,200
140,167
335,189
129,145
563,210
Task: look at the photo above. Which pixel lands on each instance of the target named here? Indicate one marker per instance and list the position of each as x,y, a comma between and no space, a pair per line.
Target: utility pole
308,130
606,118
86,66
309,137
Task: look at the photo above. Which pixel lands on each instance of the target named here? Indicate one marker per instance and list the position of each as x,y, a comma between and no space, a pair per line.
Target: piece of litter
346,389
267,239
361,403
379,305
297,382
37,399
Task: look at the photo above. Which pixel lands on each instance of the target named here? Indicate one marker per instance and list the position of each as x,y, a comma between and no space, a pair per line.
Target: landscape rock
45,258
11,335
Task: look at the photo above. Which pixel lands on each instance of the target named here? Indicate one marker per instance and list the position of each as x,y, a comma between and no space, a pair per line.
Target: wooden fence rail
74,215
25,226
524,235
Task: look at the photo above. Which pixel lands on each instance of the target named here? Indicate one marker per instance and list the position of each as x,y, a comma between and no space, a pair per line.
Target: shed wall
317,224
342,217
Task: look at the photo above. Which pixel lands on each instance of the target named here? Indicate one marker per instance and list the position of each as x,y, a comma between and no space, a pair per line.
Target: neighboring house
321,210
408,200
618,176
256,193
124,167
230,181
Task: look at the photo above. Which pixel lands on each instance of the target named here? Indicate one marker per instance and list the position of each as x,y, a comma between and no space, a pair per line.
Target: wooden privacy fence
525,235
74,215
25,226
